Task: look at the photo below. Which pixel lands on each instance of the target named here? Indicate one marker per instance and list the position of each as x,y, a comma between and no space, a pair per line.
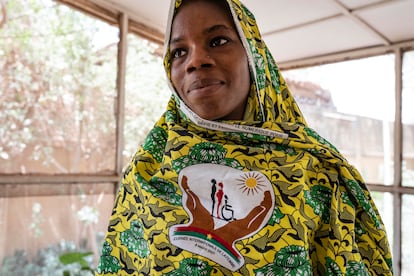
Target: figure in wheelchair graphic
221,210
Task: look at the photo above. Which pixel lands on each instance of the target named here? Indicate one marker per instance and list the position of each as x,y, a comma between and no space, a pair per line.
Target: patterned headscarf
263,196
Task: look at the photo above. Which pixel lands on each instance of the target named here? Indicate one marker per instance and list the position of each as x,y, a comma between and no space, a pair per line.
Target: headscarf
263,196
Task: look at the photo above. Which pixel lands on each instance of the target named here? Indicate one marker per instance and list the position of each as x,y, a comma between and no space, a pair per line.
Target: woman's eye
177,53
219,41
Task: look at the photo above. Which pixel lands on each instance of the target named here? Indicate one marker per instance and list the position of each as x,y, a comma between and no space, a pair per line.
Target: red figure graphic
219,195
232,231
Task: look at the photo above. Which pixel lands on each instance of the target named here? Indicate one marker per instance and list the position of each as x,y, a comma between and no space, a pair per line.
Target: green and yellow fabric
262,196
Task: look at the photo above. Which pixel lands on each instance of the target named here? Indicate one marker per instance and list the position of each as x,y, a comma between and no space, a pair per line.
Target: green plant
76,258
48,261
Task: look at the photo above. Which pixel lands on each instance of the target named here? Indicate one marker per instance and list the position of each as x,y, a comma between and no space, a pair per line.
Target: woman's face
209,67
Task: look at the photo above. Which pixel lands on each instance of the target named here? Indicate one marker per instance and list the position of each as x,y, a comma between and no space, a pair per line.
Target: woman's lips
203,83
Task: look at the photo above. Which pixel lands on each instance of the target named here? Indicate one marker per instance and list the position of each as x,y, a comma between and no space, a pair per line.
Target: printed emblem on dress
224,205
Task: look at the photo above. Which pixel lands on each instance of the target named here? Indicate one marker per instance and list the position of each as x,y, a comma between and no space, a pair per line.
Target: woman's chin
215,113
210,116
217,117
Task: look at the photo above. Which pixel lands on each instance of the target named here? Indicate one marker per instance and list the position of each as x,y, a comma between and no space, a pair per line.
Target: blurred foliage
58,70
63,258
76,258
56,85
58,90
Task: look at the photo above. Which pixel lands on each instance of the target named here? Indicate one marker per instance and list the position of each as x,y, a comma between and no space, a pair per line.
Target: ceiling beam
297,26
111,14
344,11
351,15
135,24
91,8
345,55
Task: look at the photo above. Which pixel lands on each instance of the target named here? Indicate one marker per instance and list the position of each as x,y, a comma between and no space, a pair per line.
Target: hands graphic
233,230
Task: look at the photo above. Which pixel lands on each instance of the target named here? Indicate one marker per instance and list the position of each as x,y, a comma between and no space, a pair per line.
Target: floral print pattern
324,221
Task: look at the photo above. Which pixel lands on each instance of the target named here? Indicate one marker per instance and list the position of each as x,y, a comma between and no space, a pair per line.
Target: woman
231,181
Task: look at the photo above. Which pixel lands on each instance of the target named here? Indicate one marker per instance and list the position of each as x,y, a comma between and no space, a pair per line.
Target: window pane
407,242
146,92
384,203
408,120
39,222
352,104
57,90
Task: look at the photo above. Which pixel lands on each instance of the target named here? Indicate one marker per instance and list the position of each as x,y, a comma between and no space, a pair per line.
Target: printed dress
262,196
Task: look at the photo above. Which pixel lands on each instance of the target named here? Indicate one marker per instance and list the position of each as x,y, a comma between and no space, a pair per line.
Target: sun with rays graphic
251,183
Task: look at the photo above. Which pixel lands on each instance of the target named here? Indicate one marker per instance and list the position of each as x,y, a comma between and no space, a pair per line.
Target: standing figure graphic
219,195
213,195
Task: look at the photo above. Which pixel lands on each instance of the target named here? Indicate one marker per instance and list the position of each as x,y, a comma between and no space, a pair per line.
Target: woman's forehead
197,13
220,3
205,6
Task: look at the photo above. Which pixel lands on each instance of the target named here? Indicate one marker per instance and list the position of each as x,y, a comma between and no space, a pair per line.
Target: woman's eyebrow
217,28
206,31
175,40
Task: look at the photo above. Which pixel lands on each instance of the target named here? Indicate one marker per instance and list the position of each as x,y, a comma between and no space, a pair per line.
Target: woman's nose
198,58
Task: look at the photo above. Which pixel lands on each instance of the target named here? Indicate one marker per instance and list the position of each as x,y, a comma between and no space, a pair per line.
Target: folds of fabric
197,200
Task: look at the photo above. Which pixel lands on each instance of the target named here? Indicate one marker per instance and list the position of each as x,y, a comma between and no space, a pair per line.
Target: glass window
57,90
351,104
40,222
384,203
408,119
407,242
146,92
